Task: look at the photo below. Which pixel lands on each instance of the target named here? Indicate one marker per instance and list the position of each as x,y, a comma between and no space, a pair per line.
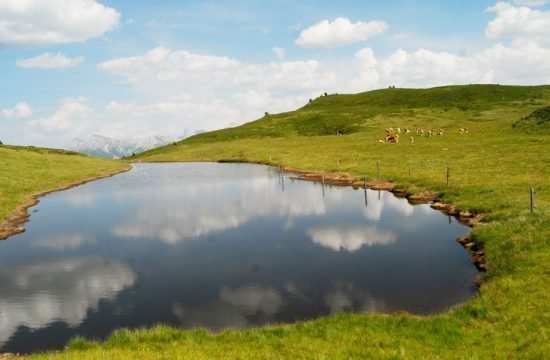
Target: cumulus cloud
38,22
72,116
518,22
50,61
341,31
196,91
21,110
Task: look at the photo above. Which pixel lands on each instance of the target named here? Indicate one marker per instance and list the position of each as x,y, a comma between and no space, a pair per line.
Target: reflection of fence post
366,199
448,174
532,199
283,178
378,167
323,182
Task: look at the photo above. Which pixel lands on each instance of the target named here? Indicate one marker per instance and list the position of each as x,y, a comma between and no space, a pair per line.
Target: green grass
492,169
27,170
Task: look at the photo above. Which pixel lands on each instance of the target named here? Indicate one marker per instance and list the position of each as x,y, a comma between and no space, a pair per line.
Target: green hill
355,113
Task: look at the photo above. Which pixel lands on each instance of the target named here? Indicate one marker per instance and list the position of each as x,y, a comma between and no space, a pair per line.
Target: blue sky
215,63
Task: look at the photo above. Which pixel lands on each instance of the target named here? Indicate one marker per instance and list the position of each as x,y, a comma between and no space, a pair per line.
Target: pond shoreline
20,215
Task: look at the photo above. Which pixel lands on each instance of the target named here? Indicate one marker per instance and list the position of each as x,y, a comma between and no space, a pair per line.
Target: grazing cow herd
392,135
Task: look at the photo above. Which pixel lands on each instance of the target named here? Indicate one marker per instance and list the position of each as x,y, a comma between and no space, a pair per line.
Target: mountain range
106,147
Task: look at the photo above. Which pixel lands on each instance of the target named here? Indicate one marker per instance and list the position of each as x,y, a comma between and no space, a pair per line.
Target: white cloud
521,63
71,117
38,22
341,31
280,52
20,111
194,91
531,3
518,22
50,61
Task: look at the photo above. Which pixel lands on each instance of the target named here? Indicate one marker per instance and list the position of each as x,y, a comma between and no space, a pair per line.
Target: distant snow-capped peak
103,146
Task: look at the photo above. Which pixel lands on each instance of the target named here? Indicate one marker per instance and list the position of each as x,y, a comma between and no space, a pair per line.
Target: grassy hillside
492,169
28,170
355,113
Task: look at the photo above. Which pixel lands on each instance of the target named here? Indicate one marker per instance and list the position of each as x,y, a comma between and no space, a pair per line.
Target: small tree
1,143
266,113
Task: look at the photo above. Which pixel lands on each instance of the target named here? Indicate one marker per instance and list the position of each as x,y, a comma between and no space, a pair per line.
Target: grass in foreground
492,168
27,170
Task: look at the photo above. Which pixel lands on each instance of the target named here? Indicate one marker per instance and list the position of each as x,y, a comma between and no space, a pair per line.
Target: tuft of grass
536,121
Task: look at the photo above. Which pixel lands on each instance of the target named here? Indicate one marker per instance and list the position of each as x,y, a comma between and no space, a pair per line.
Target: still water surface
220,246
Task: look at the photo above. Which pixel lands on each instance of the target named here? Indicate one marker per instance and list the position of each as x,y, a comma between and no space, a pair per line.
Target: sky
131,68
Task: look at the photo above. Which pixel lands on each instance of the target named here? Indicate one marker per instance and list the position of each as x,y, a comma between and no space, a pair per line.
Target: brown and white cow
394,138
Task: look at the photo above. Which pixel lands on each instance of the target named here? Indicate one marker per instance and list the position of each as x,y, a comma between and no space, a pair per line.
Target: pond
220,246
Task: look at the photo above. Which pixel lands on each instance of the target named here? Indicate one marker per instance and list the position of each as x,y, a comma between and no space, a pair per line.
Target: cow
412,140
389,131
399,130
440,132
380,141
394,138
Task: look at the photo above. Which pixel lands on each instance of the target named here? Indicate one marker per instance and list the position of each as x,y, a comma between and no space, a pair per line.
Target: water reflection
37,293
220,246
347,297
167,218
350,238
64,241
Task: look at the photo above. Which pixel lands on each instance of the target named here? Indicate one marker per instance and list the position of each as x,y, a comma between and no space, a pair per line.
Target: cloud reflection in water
35,294
350,238
165,217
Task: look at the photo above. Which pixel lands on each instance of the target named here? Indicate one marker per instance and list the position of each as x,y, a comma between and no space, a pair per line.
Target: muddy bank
19,216
475,249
